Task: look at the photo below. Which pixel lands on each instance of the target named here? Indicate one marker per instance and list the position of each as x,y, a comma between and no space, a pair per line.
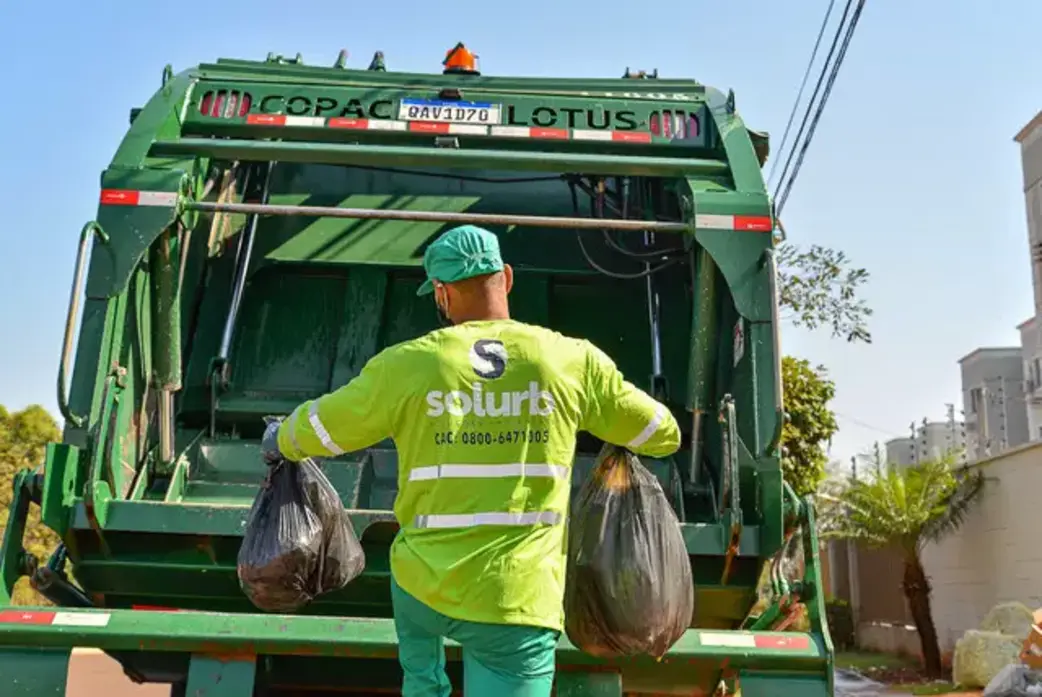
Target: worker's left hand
270,441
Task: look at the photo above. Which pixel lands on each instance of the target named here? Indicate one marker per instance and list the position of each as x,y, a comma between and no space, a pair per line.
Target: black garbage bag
629,589
299,542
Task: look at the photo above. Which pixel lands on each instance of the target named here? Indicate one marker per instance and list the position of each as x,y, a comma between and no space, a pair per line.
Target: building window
976,400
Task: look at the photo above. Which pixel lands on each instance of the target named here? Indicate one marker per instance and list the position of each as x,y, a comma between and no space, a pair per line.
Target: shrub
841,623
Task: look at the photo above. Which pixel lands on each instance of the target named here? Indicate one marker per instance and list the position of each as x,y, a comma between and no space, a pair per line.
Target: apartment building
1002,387
1030,140
932,440
994,405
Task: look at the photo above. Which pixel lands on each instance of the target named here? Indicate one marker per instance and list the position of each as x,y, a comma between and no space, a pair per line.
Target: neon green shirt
484,416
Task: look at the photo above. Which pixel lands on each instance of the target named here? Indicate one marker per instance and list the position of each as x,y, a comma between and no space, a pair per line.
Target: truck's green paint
152,516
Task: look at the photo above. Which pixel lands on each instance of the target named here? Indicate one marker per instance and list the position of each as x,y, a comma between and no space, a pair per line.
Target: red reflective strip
119,197
428,127
549,133
154,608
630,137
753,223
341,122
793,641
266,119
25,617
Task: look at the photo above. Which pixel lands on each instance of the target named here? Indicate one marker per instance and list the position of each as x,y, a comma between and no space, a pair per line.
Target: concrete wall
997,554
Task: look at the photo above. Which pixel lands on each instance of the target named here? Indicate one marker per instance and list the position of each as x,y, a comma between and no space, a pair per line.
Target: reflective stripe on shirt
320,430
466,520
517,469
649,430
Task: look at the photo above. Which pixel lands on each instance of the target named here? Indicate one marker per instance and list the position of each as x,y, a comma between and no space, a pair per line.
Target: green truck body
259,236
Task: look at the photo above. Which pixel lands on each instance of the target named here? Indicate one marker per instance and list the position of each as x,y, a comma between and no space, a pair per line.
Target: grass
878,666
937,688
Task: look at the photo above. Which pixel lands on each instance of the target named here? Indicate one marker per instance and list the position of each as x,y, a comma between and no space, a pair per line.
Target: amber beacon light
459,59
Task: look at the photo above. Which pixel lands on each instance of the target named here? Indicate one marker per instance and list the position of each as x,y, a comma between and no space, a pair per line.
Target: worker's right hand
270,441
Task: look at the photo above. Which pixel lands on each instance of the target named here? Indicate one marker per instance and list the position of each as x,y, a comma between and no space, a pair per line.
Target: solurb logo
480,403
488,357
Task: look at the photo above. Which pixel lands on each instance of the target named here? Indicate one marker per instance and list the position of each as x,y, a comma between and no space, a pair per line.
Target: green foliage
809,426
819,289
841,623
23,438
907,506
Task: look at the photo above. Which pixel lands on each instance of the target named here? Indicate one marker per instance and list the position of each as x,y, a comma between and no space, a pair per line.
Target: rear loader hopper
259,236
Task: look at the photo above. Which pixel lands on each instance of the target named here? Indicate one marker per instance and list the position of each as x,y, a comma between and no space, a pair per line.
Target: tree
818,288
23,437
809,425
905,508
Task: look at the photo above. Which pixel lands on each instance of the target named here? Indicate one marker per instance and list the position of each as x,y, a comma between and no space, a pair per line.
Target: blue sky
913,171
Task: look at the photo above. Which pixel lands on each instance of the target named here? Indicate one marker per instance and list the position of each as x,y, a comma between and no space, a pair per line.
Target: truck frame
258,237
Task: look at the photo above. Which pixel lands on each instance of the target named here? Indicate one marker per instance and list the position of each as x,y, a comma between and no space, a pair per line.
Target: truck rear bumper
220,652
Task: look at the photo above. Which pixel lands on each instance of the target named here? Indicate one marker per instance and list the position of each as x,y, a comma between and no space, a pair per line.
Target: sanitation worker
484,415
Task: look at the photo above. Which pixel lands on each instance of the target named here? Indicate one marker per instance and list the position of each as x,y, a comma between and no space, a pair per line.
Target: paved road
93,674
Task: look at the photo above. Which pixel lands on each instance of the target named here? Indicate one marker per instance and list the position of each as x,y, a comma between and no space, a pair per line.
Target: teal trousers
498,660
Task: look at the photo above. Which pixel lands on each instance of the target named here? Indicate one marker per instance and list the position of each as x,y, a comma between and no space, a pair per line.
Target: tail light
674,124
225,104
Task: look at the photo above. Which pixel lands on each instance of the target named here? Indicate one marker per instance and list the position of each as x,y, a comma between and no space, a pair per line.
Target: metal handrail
779,388
440,217
90,229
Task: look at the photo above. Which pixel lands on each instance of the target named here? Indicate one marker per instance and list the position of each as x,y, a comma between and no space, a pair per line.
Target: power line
784,193
869,426
803,85
814,95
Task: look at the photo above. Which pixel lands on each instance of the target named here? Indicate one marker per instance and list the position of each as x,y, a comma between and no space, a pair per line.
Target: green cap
461,253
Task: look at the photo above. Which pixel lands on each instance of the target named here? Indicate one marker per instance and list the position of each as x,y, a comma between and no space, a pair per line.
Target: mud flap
571,684
774,684
221,676
30,672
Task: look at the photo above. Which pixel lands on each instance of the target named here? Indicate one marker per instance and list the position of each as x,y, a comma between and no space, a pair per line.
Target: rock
849,683
980,655
1013,618
1014,681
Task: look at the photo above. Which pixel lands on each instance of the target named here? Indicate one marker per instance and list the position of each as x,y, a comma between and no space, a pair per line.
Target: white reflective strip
156,198
320,430
649,430
313,121
731,641
512,131
517,469
715,222
381,125
472,519
583,134
468,129
81,619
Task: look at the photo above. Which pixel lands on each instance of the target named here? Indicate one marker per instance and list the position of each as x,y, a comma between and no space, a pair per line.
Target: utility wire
814,96
803,85
870,427
784,192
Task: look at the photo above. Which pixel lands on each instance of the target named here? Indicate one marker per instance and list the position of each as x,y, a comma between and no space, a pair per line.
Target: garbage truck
259,236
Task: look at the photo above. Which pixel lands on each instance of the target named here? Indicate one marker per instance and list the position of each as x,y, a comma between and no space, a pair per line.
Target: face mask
443,318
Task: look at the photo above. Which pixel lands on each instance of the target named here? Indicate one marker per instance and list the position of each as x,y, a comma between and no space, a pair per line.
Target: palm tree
905,508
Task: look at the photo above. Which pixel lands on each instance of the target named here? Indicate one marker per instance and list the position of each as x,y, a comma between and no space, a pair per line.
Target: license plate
449,112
